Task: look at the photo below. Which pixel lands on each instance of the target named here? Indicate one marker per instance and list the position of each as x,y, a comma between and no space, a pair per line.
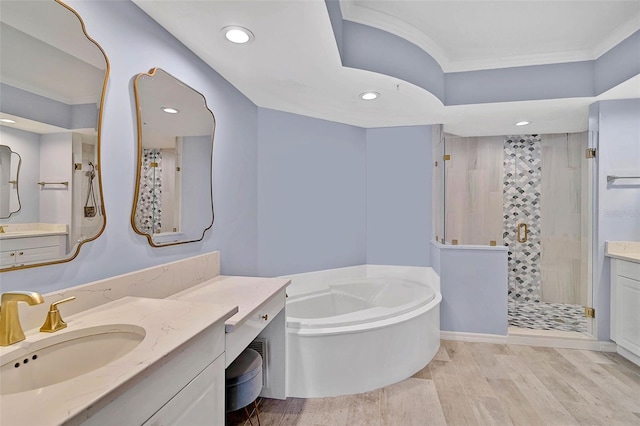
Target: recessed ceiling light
238,35
170,110
522,123
6,120
369,96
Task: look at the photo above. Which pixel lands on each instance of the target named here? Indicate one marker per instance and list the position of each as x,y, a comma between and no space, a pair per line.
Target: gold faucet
10,329
2,228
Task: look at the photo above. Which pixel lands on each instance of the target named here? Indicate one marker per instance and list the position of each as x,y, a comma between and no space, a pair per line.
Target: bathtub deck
481,383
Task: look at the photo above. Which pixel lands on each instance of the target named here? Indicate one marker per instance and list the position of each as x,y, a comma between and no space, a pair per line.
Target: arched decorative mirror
52,78
10,163
173,201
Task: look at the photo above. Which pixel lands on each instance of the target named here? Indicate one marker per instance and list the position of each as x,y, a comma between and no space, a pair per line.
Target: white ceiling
293,63
473,35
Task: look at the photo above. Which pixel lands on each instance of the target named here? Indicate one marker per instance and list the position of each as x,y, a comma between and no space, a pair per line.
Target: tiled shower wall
149,210
521,205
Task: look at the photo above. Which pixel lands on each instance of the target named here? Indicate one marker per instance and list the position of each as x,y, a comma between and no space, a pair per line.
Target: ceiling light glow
238,35
522,123
369,96
170,110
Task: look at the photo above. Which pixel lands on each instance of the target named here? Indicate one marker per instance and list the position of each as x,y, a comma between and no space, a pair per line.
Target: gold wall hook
54,321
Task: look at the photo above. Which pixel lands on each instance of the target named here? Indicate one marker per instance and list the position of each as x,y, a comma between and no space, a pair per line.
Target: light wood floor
484,384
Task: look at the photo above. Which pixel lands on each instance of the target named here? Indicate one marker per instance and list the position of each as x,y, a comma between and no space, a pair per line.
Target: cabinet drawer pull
12,254
21,253
265,317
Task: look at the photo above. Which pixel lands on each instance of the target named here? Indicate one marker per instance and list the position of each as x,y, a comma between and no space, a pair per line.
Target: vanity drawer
239,338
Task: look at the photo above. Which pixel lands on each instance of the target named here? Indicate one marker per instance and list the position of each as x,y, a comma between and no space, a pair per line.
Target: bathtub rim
364,326
372,313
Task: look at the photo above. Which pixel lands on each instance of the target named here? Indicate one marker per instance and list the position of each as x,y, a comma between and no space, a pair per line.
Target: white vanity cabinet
187,389
201,402
26,250
625,307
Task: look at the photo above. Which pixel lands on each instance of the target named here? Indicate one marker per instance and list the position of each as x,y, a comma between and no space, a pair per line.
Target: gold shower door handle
522,239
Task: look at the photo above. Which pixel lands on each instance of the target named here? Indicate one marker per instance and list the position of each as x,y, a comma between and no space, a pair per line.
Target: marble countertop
248,293
623,250
167,324
26,230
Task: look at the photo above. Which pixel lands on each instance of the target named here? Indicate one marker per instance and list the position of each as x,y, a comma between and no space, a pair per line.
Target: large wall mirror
173,201
52,79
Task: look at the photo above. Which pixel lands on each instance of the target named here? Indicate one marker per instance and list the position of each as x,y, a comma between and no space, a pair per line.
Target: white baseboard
629,355
473,337
532,340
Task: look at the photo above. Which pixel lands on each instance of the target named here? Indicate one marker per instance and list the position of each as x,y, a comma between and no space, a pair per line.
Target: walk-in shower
529,193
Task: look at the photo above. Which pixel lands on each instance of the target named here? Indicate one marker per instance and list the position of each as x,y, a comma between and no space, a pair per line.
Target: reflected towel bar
53,183
612,178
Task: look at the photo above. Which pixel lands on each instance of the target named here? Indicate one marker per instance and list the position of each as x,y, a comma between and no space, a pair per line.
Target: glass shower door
546,182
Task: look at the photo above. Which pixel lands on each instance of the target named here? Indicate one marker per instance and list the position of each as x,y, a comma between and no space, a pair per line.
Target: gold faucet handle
54,321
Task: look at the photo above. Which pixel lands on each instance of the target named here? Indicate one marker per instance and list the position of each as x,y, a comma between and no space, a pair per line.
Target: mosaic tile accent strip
547,316
149,210
521,196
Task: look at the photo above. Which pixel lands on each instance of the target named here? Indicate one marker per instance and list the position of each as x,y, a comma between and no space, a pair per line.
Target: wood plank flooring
482,384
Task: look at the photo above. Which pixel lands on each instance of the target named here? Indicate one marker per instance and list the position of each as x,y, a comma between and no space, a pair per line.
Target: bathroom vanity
29,243
625,297
180,325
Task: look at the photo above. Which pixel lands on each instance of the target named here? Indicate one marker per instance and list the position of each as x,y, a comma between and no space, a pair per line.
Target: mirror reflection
52,79
10,163
173,200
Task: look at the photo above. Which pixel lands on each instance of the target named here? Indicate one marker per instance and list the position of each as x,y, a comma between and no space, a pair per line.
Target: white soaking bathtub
356,329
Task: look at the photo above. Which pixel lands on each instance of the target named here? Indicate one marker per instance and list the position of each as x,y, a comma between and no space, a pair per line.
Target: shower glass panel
438,185
473,188
531,194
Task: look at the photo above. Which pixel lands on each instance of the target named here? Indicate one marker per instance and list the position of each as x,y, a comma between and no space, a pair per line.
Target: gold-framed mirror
53,78
173,201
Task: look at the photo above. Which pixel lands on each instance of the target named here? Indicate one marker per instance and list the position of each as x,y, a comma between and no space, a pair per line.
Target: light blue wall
38,108
618,205
399,170
135,43
473,283
618,64
553,81
311,194
332,195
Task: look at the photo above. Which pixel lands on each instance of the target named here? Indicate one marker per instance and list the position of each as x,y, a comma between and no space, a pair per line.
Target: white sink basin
66,356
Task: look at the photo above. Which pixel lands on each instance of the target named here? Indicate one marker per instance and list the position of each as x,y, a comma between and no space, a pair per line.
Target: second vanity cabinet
27,250
625,307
